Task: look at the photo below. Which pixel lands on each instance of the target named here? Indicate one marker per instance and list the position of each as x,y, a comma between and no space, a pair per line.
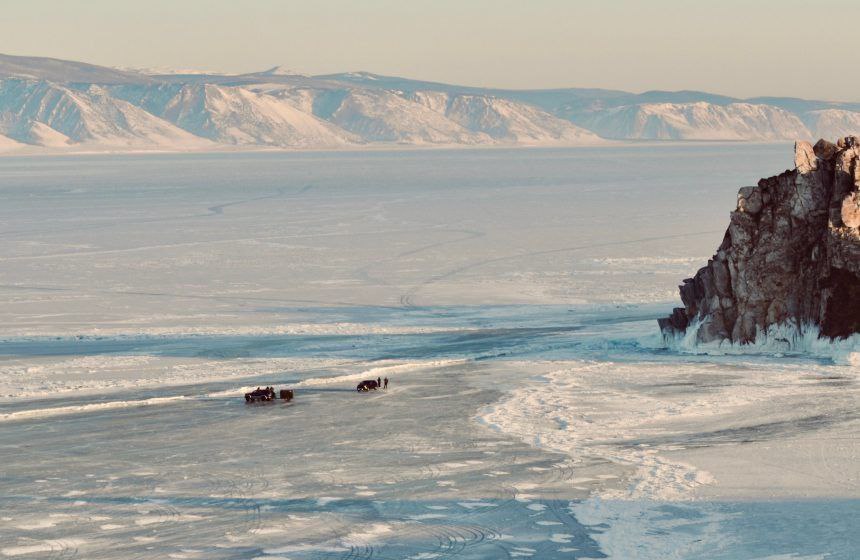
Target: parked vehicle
260,395
367,385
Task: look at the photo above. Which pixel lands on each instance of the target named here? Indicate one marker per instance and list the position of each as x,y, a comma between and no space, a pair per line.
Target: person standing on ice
385,381
378,382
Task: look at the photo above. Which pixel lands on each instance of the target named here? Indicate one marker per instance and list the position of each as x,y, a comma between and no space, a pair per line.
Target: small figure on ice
385,383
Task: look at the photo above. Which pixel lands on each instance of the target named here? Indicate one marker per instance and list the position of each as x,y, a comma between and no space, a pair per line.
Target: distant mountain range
56,105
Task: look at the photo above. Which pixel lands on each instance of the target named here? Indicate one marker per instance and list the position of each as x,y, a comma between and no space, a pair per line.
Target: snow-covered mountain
383,116
65,71
46,114
71,106
697,121
505,120
833,123
235,116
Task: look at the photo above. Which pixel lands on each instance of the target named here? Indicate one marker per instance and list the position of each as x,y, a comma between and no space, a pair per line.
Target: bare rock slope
790,257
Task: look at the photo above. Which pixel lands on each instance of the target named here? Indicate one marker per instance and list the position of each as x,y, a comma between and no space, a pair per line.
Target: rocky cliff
790,256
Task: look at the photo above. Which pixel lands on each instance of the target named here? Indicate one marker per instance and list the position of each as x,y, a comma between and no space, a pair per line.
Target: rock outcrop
790,257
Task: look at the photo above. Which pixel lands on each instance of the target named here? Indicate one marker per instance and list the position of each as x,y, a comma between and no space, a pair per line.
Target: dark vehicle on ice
267,394
260,395
367,385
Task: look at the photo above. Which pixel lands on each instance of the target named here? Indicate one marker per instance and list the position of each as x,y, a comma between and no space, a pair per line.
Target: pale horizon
549,44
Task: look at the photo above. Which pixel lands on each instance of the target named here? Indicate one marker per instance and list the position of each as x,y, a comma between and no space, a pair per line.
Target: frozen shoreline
804,341
145,294
78,151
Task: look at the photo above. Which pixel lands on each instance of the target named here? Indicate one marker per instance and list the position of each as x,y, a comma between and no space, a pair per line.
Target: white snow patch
84,408
325,500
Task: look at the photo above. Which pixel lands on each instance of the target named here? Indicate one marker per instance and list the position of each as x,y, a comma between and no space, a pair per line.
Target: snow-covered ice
510,296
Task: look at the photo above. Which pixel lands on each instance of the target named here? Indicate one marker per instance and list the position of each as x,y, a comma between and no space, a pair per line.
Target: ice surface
510,296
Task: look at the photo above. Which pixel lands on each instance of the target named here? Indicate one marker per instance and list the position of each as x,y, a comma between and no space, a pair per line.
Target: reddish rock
791,254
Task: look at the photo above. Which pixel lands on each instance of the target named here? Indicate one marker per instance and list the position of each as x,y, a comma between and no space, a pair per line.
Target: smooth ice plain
511,297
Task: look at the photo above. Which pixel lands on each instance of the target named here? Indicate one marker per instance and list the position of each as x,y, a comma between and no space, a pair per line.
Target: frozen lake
511,297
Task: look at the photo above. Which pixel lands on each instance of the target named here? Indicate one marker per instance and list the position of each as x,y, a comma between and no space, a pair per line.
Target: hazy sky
737,47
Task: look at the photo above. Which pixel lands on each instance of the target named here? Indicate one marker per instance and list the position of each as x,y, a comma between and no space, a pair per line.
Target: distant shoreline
31,151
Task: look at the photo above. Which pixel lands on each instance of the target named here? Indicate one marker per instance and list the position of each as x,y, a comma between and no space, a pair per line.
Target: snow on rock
41,134
434,100
834,123
697,121
516,123
384,116
47,114
503,120
236,116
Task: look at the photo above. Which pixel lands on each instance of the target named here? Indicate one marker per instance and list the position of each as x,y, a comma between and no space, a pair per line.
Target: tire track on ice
409,294
216,210
364,271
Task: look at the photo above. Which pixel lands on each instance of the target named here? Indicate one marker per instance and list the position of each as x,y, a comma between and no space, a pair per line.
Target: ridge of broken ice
776,340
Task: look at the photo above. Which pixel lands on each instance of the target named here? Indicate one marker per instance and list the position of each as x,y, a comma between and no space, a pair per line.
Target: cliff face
791,254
